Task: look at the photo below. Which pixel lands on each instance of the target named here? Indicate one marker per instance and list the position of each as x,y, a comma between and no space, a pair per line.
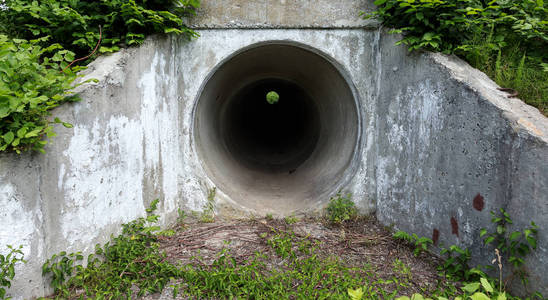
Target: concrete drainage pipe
280,157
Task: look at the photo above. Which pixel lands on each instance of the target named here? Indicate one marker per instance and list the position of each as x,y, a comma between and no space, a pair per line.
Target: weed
181,217
478,290
292,219
401,268
513,246
421,244
301,277
269,217
341,209
208,212
456,264
130,259
7,268
356,294
297,271
282,245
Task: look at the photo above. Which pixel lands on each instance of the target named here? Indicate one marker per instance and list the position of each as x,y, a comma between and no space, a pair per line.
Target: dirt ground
359,242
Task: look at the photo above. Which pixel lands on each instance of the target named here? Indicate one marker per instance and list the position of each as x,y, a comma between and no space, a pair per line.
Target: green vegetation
134,259
39,40
31,84
7,268
421,244
292,219
303,275
131,258
456,264
292,267
514,246
272,97
505,39
480,290
74,24
208,212
341,209
511,249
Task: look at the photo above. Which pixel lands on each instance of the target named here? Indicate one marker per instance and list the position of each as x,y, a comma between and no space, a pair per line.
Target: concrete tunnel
279,157
415,137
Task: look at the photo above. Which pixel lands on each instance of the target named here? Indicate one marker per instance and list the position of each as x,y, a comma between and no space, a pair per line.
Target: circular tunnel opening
279,157
275,137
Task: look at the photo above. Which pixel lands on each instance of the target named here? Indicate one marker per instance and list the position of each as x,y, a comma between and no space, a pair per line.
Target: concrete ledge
282,14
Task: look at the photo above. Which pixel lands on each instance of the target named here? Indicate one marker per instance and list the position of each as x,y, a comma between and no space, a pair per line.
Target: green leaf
428,36
532,242
515,235
356,294
69,56
33,133
21,132
4,112
471,287
486,285
379,2
480,296
417,297
173,30
67,125
134,21
502,296
500,229
57,57
8,137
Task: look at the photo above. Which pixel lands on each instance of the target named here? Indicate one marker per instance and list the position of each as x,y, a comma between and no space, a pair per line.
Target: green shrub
31,84
514,246
341,209
38,41
75,23
483,289
421,244
130,260
505,39
7,268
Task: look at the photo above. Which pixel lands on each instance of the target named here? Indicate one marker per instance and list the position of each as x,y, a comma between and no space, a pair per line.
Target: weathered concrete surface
132,142
435,134
282,14
448,139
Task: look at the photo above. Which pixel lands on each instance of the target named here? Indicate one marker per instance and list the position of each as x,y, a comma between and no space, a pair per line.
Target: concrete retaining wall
451,148
435,135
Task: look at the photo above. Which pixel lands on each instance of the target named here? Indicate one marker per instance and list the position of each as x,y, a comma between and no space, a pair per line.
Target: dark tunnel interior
276,137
